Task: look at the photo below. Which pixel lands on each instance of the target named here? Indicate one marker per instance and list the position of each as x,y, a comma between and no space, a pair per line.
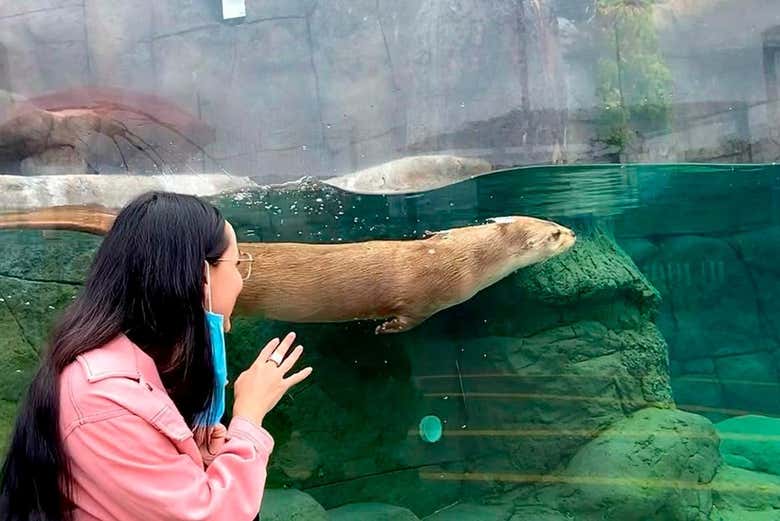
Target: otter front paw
397,325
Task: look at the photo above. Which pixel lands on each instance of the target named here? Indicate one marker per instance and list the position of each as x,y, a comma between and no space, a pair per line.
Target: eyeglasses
243,264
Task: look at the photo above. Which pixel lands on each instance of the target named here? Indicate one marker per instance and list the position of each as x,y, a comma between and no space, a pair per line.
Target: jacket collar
120,358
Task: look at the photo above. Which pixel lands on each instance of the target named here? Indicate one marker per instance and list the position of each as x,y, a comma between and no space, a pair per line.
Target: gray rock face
26,193
348,84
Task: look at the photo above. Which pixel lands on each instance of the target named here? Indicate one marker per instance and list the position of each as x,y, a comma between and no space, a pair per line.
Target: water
635,377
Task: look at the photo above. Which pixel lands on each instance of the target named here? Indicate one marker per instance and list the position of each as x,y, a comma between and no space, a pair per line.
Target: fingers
298,377
289,362
285,345
267,350
273,345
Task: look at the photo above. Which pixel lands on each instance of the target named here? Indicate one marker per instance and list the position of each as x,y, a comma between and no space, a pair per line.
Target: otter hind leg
398,324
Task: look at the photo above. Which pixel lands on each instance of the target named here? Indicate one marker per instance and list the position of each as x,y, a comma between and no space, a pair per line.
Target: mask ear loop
208,283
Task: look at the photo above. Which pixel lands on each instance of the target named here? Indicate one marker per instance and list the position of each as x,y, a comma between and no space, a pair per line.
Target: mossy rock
751,442
650,465
371,512
290,505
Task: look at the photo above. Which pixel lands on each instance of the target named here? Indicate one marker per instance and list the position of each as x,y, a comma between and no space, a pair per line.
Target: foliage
633,81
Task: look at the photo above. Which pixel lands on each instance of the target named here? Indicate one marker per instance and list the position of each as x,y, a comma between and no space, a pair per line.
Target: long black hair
146,281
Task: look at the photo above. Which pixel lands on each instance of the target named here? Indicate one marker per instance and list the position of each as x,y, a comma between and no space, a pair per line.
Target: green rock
7,416
749,383
471,512
694,392
739,489
711,303
371,512
290,505
744,515
651,465
639,249
39,274
48,256
572,382
751,442
594,267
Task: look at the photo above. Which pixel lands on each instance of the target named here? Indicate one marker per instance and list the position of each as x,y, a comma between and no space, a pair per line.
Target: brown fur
406,281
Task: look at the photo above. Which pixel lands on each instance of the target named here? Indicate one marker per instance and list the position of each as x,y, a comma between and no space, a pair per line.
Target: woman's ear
206,281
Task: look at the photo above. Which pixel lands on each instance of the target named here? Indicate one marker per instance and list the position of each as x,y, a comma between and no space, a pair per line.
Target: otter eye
556,235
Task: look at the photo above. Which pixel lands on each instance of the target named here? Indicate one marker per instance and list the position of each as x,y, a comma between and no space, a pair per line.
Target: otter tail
90,219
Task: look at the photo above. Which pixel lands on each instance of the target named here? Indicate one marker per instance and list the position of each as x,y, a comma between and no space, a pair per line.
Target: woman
121,420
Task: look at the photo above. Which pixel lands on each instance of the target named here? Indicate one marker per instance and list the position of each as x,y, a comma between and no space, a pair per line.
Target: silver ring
276,358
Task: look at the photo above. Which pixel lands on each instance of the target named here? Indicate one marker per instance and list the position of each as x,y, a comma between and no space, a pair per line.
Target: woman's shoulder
107,383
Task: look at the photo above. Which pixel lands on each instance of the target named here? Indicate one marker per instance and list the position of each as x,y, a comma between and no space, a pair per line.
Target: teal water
662,197
635,377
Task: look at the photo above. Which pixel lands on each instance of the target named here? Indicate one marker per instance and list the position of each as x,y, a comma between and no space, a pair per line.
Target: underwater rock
751,442
39,275
749,383
297,459
743,495
736,494
743,515
113,191
640,250
719,309
553,390
595,268
650,465
711,303
47,256
411,174
27,310
757,249
371,512
472,512
290,505
700,392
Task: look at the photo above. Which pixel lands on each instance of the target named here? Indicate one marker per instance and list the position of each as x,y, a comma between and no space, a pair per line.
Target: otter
403,282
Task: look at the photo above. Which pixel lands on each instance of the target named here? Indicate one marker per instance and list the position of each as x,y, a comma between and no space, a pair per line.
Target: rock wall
719,316
303,87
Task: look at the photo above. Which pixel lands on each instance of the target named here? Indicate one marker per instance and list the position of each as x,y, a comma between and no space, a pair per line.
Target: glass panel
378,160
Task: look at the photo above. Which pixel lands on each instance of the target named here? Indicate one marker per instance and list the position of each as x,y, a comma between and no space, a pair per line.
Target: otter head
533,240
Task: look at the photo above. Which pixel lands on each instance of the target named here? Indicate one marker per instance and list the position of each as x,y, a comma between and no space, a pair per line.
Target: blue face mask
215,324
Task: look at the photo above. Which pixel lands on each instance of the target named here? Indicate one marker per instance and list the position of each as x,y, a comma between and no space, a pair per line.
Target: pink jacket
133,457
